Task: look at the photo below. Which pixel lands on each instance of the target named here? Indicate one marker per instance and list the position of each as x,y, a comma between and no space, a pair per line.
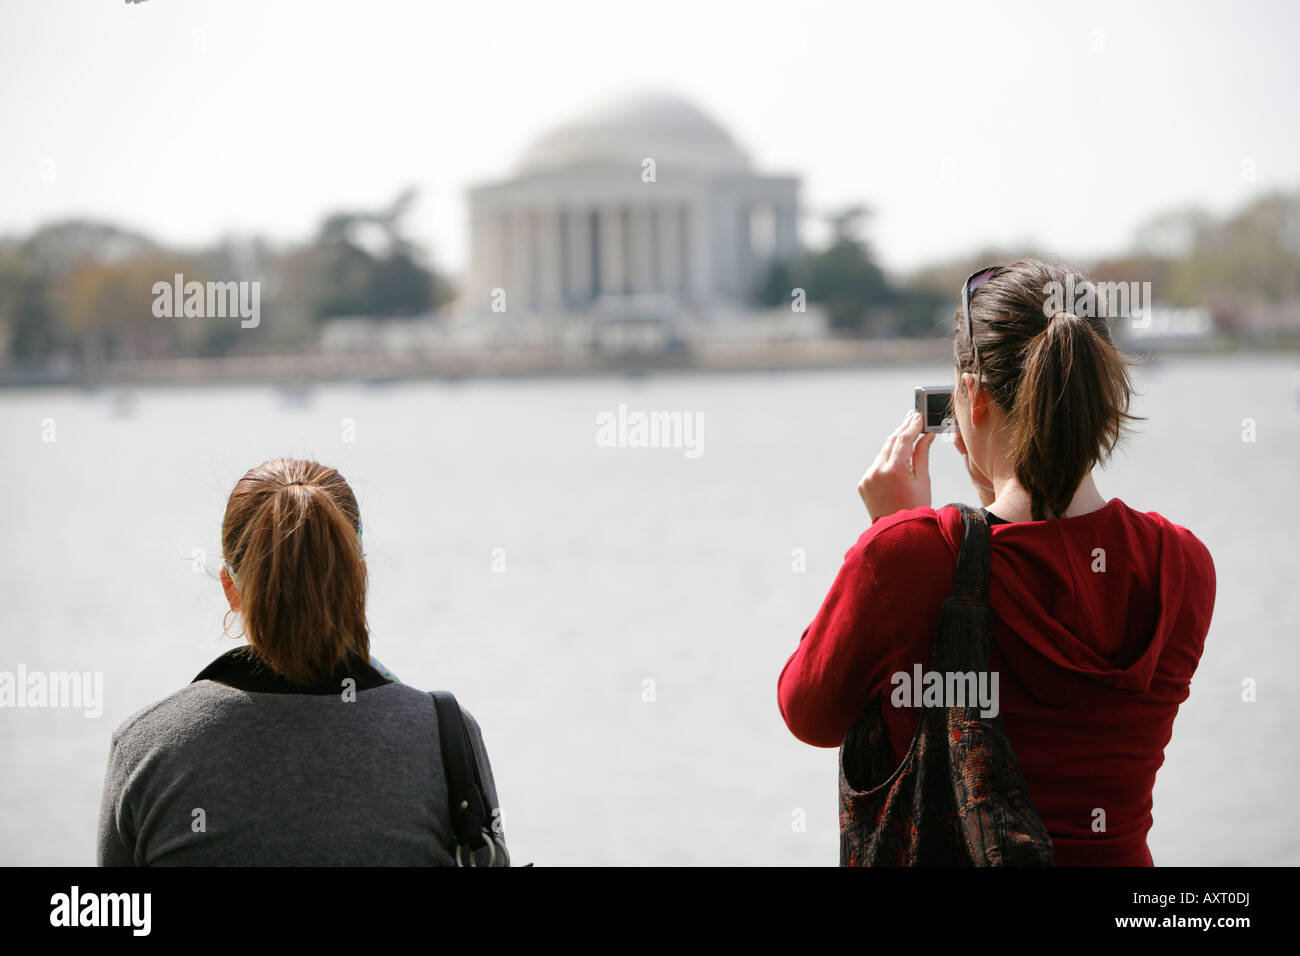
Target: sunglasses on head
973,282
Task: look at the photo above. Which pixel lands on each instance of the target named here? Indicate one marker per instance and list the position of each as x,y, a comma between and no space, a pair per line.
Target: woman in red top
1101,611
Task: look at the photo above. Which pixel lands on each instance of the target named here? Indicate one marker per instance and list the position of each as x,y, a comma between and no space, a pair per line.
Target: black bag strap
969,600
470,815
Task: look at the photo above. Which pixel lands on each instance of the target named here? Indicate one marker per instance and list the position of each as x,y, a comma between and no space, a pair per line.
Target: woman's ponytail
292,538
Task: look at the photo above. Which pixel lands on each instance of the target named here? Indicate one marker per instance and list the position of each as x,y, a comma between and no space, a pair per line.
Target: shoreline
381,369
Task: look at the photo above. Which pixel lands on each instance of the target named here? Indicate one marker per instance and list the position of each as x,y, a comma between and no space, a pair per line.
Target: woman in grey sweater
293,749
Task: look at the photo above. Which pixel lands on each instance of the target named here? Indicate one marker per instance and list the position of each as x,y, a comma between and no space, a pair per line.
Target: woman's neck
1011,501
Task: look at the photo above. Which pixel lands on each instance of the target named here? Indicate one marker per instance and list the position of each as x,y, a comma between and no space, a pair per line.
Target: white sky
961,124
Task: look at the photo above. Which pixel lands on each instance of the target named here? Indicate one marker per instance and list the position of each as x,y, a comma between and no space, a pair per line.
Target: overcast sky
960,124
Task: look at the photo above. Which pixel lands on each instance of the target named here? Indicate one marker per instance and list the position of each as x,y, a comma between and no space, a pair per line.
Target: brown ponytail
292,540
1063,383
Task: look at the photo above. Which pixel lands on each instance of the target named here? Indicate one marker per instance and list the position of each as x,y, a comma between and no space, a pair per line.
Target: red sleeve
1208,588
880,613
1200,584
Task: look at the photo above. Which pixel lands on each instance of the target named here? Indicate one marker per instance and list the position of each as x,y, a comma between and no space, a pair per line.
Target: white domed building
646,199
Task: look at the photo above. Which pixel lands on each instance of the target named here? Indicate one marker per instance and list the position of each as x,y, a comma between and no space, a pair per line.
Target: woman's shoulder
1194,549
203,706
902,543
908,531
171,715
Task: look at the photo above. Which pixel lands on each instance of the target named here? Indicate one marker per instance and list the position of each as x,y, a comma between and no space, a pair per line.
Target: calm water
621,566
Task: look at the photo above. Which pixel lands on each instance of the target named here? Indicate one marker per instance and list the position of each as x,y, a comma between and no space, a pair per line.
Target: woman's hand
899,478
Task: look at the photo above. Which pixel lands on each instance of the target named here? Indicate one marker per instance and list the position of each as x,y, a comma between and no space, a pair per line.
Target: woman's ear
228,585
977,399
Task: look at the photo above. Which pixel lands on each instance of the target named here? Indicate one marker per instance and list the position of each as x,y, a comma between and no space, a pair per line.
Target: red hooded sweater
1092,664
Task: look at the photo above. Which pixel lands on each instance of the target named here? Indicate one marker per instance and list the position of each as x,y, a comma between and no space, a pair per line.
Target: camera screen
937,406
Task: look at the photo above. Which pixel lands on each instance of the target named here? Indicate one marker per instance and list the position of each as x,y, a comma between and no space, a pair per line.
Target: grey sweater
242,769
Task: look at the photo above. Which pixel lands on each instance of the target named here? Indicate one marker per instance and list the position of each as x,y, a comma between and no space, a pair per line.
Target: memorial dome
666,128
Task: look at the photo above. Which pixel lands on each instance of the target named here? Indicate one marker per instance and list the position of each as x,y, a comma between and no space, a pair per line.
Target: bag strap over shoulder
470,815
972,582
964,644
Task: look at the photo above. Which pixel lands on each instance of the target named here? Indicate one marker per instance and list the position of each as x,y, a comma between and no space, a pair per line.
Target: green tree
362,263
845,280
28,329
842,278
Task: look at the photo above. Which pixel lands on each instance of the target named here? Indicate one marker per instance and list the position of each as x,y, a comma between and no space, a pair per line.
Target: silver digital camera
934,402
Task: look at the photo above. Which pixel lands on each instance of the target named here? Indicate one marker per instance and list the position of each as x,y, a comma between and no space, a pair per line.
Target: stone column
700,245
503,254
751,256
519,291
640,249
787,231
685,251
550,262
611,249
733,245
578,291
669,237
